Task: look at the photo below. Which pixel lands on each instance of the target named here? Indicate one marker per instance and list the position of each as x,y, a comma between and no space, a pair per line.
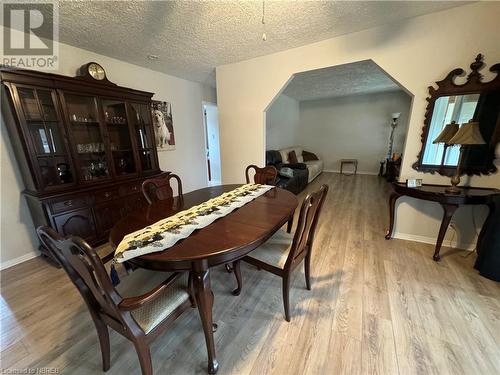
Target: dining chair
265,176
268,176
141,307
158,188
282,253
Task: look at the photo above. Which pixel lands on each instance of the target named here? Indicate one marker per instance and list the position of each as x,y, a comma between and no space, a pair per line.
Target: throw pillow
284,156
309,156
292,157
298,153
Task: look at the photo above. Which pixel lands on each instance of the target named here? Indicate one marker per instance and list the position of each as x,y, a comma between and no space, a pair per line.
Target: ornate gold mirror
451,106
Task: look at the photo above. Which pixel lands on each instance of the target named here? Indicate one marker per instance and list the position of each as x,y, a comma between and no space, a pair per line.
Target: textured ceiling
363,77
192,38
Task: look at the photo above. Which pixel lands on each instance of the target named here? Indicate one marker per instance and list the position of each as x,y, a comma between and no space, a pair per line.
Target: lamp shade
447,133
468,134
395,115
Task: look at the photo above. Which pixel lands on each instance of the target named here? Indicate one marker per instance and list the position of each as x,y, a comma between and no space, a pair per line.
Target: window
447,109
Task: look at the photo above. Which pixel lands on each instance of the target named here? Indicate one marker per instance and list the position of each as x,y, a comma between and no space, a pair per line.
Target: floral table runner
166,232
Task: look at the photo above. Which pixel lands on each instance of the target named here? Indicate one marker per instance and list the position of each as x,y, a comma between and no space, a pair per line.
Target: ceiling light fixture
152,57
264,36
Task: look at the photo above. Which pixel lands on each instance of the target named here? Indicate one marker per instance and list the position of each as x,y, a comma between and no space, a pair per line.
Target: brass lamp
468,134
445,136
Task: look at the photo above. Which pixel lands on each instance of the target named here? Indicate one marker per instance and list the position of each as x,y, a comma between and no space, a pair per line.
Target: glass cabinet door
47,136
143,130
87,134
117,126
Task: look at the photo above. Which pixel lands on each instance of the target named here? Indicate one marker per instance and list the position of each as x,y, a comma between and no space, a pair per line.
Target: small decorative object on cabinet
84,146
414,182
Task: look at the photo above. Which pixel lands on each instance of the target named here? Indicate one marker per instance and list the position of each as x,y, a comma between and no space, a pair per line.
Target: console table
449,202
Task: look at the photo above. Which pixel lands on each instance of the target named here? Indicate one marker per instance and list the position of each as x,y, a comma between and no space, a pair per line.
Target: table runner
166,232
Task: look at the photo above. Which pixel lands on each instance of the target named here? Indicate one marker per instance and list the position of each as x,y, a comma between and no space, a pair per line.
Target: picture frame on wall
163,125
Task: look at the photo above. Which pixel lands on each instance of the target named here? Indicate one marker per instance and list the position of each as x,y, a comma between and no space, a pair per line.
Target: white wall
416,52
188,160
353,127
282,123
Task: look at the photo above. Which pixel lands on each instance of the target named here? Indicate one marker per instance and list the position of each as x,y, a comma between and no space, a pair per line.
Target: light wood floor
377,307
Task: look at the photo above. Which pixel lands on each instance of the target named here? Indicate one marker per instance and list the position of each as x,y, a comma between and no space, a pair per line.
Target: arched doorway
350,111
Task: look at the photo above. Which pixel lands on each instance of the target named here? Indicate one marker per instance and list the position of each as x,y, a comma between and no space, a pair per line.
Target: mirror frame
448,87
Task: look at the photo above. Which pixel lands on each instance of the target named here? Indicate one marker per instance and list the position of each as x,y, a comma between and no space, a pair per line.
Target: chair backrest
265,176
85,269
307,223
158,189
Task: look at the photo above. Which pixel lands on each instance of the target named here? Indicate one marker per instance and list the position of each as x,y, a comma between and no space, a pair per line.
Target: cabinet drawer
76,223
68,204
106,195
131,188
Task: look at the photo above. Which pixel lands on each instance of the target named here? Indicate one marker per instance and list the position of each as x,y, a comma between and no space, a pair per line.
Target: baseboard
21,259
358,172
432,241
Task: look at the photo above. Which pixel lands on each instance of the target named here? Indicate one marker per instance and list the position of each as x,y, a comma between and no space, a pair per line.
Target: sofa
314,167
291,176
294,175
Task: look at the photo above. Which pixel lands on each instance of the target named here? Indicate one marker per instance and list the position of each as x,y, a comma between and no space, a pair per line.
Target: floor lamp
394,123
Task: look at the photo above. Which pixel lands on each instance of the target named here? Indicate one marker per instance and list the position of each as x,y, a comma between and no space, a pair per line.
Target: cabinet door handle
68,203
107,194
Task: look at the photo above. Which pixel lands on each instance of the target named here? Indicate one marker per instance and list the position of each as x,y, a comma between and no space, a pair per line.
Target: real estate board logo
30,34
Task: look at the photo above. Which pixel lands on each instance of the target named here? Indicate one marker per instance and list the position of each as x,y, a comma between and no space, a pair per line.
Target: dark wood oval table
224,241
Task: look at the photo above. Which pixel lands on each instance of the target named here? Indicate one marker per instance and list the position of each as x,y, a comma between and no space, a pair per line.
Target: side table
449,202
354,162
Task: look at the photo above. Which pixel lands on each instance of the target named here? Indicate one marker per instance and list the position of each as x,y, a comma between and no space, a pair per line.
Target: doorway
353,111
212,145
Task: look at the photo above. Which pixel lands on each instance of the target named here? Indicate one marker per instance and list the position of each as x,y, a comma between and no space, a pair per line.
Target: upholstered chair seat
275,250
153,312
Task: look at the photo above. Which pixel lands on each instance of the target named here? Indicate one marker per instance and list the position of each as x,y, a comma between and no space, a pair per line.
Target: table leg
392,206
204,301
449,210
237,273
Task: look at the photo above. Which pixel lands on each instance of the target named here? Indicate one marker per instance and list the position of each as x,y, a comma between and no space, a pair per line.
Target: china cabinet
83,145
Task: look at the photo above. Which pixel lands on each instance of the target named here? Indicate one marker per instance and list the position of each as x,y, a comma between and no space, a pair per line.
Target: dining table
224,241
